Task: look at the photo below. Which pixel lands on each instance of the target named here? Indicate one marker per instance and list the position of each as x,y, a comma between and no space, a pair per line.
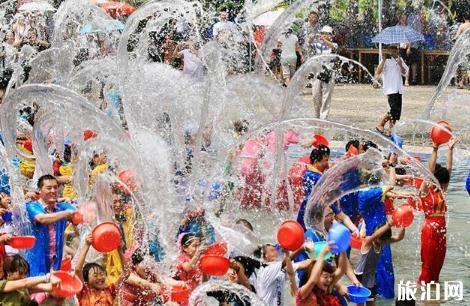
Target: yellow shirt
27,165
98,170
67,170
112,260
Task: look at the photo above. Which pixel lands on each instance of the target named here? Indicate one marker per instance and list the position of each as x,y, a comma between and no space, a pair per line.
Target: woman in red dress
433,204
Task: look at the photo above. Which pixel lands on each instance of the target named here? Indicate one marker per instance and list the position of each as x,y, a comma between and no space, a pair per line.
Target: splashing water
224,142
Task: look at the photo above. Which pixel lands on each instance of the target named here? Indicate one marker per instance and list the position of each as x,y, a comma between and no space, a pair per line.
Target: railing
426,62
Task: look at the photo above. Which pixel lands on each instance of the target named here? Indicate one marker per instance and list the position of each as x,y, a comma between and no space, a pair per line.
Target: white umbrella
268,18
41,6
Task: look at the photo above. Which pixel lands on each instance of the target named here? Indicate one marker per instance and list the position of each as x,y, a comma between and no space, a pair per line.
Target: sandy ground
362,105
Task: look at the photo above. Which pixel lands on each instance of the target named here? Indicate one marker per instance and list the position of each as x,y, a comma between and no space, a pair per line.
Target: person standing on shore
290,47
324,82
310,30
394,69
463,72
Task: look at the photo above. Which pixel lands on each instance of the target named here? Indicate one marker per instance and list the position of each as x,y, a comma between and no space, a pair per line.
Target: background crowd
130,277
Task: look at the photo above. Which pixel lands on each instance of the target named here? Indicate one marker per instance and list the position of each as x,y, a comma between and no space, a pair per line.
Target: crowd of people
129,275
27,33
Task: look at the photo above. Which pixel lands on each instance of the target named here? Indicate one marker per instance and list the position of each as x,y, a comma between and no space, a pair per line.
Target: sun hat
326,29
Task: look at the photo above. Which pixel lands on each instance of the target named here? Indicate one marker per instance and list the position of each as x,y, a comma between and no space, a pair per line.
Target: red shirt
433,203
310,300
94,297
317,298
194,277
389,208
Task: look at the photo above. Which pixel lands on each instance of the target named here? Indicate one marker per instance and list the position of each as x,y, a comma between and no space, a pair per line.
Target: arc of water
312,123
312,65
46,96
124,66
21,220
201,291
457,55
330,188
270,37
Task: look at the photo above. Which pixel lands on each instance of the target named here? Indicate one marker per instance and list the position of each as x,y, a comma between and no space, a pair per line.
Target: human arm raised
381,66
450,154
314,278
82,256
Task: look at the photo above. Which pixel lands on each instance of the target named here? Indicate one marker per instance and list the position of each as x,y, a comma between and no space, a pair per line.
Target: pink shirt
52,239
193,278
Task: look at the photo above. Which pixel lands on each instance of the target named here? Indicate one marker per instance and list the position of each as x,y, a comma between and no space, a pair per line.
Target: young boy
95,291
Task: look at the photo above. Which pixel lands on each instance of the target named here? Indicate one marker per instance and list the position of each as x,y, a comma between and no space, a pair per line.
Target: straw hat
326,29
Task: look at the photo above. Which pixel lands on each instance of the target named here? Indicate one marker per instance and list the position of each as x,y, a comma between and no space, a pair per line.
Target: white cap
326,29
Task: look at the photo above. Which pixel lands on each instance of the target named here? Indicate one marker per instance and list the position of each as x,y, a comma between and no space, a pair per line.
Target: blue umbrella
397,35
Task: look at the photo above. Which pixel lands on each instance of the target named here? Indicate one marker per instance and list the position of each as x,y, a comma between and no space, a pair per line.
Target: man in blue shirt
319,158
319,163
48,221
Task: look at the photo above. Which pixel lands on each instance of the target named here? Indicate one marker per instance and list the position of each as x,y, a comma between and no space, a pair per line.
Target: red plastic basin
442,133
214,265
106,237
69,284
22,242
290,235
217,249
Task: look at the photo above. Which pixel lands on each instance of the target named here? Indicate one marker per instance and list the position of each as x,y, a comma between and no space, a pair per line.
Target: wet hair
466,14
91,266
67,153
405,302
313,13
328,268
400,170
3,194
124,196
442,174
245,223
137,258
317,154
28,113
354,143
5,78
46,177
261,251
15,263
369,144
240,126
187,239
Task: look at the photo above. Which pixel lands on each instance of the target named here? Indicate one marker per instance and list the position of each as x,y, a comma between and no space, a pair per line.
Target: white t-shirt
321,47
6,228
270,281
223,30
392,77
289,43
192,65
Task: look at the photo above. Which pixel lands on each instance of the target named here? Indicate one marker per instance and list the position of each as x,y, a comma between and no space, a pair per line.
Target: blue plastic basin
358,294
